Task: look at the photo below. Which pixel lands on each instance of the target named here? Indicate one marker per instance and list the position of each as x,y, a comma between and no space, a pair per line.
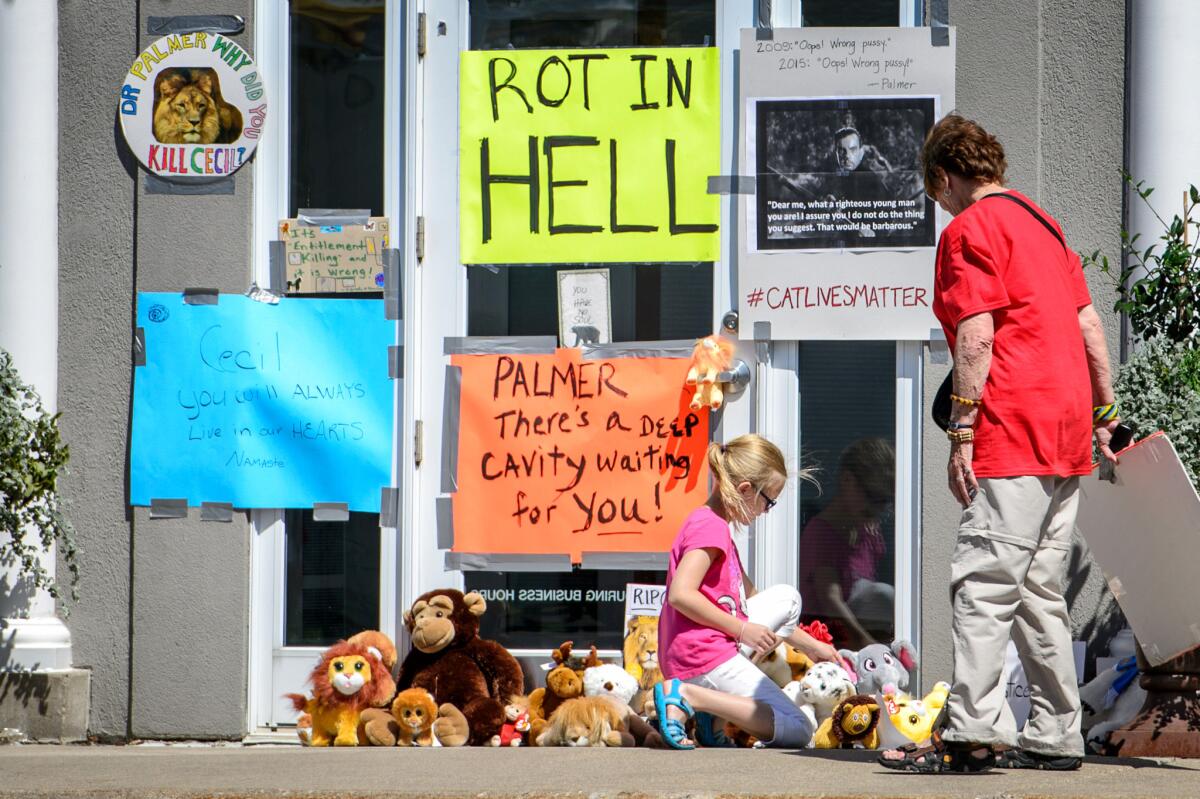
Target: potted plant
32,457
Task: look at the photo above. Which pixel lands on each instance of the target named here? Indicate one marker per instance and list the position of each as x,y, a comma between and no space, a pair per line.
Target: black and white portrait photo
842,173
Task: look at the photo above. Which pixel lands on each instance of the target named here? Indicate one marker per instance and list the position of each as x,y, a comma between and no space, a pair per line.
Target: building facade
188,628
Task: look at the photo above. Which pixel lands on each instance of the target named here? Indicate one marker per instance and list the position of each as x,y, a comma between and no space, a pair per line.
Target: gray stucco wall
162,620
1047,77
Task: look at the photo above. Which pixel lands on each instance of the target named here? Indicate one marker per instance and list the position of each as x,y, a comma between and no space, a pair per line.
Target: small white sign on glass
584,307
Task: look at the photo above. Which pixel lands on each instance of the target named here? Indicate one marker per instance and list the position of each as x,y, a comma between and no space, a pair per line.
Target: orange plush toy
711,356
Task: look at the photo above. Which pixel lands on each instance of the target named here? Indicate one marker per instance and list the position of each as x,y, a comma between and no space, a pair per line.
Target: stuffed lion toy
347,680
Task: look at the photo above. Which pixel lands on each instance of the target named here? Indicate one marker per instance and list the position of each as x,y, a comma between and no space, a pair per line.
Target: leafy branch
1159,288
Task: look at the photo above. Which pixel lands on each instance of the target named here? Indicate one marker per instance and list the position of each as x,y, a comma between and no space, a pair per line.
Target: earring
946,193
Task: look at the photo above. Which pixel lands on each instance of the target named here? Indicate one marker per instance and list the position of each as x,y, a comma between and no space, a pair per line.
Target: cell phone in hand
1122,437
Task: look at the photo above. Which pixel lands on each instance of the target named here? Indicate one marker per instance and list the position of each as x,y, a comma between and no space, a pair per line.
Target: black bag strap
1014,198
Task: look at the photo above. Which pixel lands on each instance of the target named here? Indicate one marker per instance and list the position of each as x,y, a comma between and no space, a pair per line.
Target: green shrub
32,457
1158,388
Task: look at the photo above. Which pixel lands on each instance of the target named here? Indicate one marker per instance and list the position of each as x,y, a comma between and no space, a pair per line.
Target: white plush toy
609,679
1110,701
820,690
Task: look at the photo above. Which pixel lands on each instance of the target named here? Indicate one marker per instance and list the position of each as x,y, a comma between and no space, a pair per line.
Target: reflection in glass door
848,526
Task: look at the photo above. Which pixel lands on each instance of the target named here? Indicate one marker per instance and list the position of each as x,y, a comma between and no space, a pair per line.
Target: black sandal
941,756
1014,757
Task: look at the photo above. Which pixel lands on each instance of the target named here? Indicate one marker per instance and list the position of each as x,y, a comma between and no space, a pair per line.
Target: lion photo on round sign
189,109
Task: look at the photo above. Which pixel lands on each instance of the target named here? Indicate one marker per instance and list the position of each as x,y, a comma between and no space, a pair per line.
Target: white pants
778,609
1006,580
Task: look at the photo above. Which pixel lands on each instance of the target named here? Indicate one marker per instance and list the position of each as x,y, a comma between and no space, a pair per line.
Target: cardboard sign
1144,531
584,307
1017,690
323,259
589,155
557,454
264,406
839,235
193,104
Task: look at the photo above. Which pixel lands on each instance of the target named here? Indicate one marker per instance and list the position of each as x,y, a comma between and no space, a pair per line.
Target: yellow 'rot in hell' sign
589,155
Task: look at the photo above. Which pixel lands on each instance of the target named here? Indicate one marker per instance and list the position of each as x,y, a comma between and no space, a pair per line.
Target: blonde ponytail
751,459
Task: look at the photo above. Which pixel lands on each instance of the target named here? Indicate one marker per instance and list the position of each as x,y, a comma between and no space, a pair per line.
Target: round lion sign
193,105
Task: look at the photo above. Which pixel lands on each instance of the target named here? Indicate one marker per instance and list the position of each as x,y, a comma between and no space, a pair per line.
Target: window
332,577
860,13
847,527
336,105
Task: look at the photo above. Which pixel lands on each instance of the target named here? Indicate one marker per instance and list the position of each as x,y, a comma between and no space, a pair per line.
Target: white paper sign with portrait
839,235
193,105
584,307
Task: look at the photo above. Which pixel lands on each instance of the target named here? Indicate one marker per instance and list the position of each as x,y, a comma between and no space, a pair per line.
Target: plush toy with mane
348,680
584,721
415,712
853,724
381,647
711,356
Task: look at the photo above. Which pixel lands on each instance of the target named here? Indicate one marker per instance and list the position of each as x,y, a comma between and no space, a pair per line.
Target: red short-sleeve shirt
1036,414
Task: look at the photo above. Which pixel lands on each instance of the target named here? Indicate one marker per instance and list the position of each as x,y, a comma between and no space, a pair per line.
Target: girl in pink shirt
715,622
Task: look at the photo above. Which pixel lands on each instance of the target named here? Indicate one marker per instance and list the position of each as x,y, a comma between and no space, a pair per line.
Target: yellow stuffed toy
854,724
348,680
711,356
913,718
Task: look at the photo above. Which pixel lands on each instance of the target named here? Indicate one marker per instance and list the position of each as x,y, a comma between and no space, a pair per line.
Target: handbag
940,409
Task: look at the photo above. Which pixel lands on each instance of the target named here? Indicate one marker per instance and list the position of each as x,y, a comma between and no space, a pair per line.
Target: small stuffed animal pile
823,687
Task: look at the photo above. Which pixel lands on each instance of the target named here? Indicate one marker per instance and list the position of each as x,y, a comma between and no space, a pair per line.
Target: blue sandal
709,734
672,730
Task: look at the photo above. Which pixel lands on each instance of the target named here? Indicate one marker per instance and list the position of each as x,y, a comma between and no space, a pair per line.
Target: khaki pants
1006,579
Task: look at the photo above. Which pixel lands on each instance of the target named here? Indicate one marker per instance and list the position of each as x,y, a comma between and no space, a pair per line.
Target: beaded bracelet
1104,413
965,401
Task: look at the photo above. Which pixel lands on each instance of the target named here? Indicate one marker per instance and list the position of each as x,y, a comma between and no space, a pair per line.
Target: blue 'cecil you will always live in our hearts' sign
263,406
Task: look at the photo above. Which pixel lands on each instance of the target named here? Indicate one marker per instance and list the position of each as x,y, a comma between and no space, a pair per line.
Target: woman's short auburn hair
961,146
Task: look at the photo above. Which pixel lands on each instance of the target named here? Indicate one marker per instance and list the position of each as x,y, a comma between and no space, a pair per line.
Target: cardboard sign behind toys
330,259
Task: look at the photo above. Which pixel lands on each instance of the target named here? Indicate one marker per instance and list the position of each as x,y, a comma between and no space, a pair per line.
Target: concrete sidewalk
133,772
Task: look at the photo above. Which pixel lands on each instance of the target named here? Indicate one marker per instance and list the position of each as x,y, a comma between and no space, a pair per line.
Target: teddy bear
880,669
380,647
854,724
346,682
415,712
516,722
562,683
910,720
818,693
711,356
615,683
468,676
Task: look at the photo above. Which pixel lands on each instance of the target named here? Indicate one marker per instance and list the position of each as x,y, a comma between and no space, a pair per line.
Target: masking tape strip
499,345
396,361
216,512
764,34
331,512
451,401
444,513
732,184
209,23
938,13
277,260
389,507
1115,588
470,561
200,296
392,278
939,36
762,331
139,346
316,217
155,184
677,348
168,508
625,560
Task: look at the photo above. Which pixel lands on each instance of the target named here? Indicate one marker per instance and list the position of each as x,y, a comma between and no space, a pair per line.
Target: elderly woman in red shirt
1031,388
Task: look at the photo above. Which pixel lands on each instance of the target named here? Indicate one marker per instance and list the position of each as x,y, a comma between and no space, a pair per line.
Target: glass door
532,612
